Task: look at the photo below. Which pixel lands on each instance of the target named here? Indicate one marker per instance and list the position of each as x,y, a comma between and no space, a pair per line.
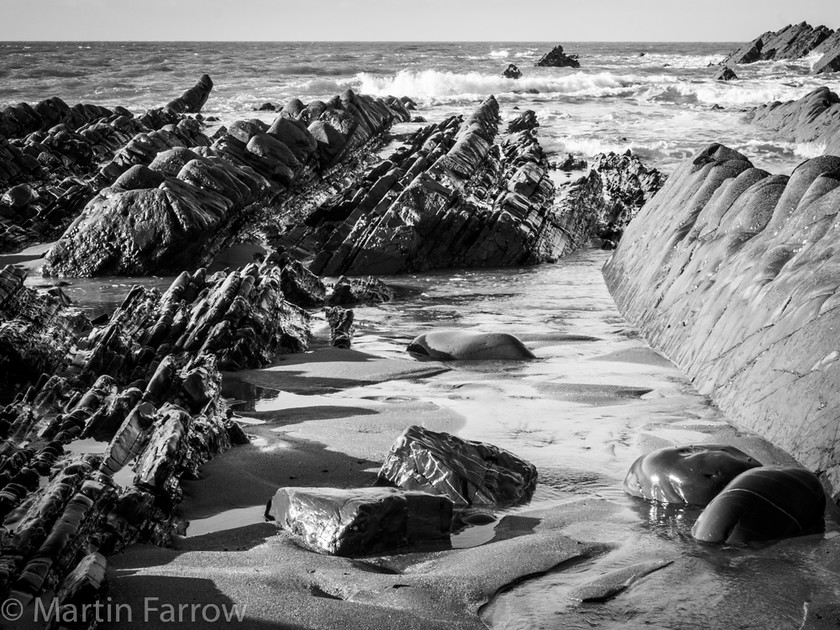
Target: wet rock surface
467,345
731,273
361,521
814,118
468,472
556,58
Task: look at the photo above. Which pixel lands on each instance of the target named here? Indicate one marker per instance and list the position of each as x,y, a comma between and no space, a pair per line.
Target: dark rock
361,521
418,119
556,58
686,475
364,290
266,107
456,197
571,163
791,42
139,177
726,74
813,118
526,121
192,100
467,345
244,130
512,72
340,321
628,184
766,503
714,273
830,51
469,473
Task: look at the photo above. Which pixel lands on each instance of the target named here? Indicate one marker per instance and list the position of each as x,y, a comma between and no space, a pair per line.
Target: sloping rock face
733,273
54,158
813,118
469,473
361,521
791,42
556,58
830,51
173,207
456,196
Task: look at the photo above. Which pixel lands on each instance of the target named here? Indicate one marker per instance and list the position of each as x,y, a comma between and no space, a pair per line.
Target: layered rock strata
733,274
148,383
813,118
791,42
456,195
171,207
54,158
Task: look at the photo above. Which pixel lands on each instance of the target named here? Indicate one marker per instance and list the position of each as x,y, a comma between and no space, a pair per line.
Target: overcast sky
384,20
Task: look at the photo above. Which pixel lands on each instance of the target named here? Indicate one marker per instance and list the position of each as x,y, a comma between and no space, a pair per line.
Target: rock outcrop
54,158
726,74
556,58
361,521
512,72
147,383
628,184
456,196
170,207
733,274
791,42
813,118
830,51
469,473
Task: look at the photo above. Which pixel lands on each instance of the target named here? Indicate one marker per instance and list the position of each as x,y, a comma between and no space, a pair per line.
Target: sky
399,20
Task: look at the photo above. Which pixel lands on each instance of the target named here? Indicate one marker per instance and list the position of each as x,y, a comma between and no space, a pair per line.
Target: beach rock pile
457,195
813,118
173,207
556,58
469,473
732,273
361,521
54,158
148,382
792,42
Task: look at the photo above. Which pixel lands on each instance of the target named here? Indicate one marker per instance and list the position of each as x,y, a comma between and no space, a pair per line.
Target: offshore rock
791,42
361,521
732,273
511,72
556,58
830,50
766,503
526,121
469,473
813,118
726,74
456,196
193,99
686,475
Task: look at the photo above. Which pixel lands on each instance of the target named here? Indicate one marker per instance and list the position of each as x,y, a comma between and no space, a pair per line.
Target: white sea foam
499,54
437,85
809,149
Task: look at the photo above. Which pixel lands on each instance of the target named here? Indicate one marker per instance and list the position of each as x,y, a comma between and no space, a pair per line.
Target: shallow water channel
594,400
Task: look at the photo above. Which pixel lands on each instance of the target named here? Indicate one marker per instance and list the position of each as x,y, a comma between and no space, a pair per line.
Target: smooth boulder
766,503
466,345
358,521
686,475
468,472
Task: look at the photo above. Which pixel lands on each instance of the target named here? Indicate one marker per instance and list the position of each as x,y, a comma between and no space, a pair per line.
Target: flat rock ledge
734,274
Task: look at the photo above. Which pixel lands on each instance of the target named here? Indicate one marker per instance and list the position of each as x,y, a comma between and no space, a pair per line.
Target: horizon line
363,41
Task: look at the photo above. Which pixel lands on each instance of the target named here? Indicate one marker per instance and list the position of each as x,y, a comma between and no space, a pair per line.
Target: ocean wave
499,54
727,94
320,70
439,85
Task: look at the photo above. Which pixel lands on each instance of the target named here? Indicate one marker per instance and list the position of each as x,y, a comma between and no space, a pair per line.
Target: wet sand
594,399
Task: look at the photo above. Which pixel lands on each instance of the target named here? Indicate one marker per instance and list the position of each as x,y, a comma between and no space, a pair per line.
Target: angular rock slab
469,473
766,503
686,475
359,521
466,345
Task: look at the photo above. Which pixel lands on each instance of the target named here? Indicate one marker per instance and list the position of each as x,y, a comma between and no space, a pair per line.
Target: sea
596,397
660,100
